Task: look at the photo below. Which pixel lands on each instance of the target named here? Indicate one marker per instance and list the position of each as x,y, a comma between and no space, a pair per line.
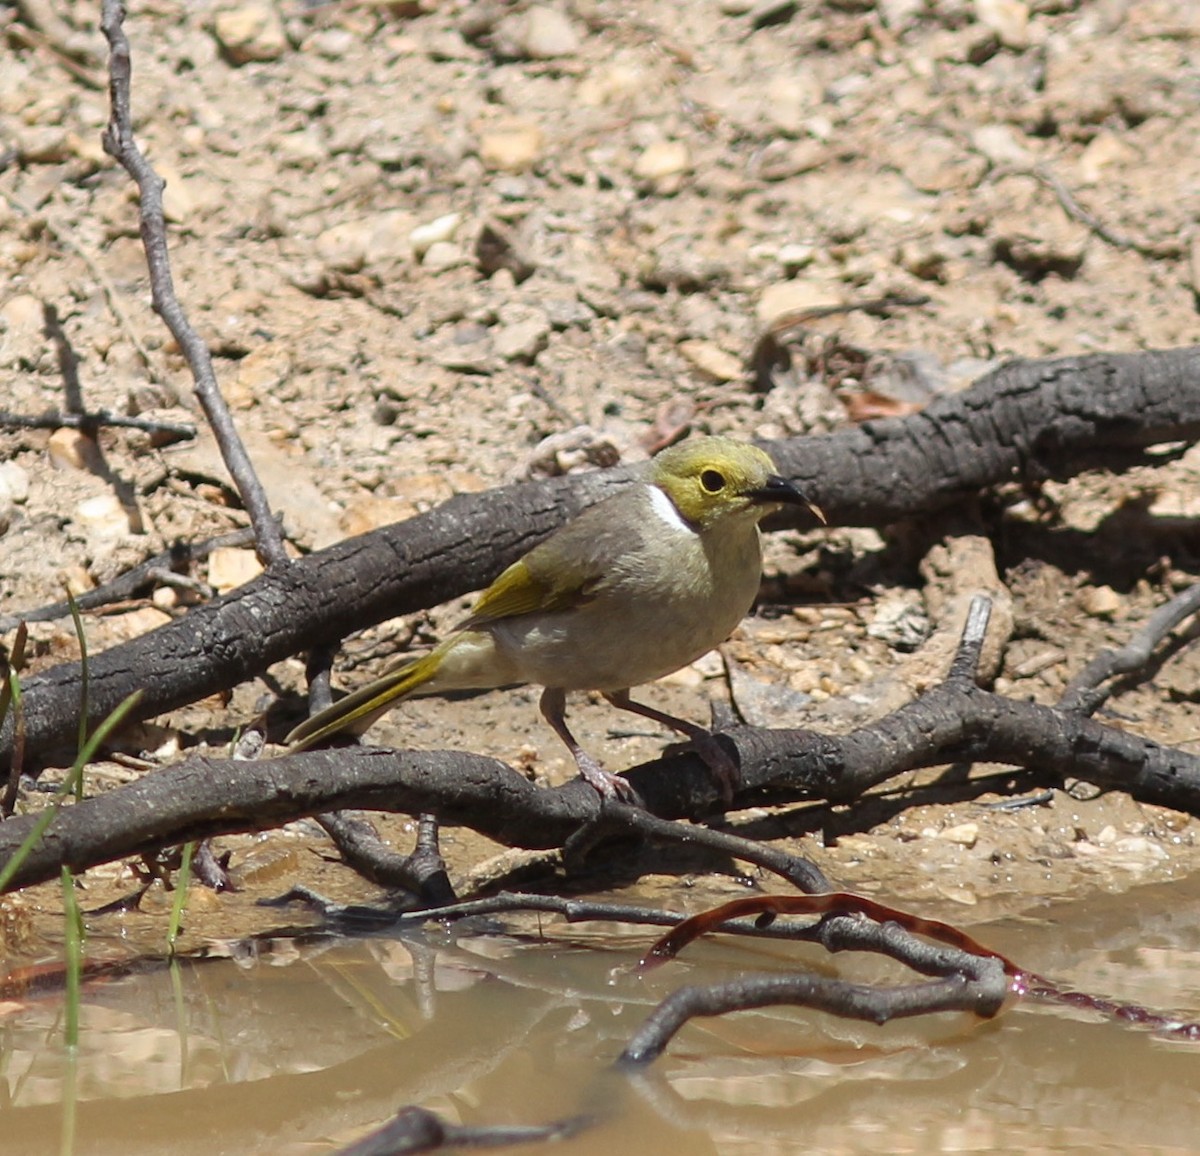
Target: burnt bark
204,797
1029,420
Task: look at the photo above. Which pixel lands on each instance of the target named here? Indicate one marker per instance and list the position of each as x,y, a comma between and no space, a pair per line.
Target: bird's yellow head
714,479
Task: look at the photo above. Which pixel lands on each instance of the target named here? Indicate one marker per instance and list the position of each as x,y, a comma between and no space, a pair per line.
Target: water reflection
307,1047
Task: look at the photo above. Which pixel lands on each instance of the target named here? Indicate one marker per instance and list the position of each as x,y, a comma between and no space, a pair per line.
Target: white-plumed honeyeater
635,587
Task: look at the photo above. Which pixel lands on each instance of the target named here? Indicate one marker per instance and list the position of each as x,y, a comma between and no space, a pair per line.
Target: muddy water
307,1046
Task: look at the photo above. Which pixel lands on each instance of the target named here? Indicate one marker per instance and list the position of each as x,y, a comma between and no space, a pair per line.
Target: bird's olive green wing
520,590
566,570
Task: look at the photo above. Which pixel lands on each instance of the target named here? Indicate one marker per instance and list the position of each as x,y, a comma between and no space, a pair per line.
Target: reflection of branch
981,990
119,143
420,1130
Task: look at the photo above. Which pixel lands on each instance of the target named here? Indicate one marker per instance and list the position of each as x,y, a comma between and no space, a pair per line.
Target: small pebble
513,148
964,834
1008,19
250,32
72,449
443,255
14,483
712,361
546,33
103,517
662,161
442,228
232,566
523,340
1100,601
22,342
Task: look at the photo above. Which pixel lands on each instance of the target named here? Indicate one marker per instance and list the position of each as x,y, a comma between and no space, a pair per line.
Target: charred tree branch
1028,420
956,721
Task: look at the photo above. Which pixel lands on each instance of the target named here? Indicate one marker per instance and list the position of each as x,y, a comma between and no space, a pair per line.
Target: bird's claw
607,785
727,775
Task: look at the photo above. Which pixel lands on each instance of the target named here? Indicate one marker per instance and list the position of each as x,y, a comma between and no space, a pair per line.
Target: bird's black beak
779,491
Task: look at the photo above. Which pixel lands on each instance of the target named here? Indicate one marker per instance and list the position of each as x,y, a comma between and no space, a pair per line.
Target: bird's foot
727,775
607,785
725,770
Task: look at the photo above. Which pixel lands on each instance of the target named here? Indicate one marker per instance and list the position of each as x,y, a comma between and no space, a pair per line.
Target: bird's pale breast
672,595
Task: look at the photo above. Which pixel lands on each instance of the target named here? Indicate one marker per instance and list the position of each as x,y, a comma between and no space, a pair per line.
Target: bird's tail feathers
358,710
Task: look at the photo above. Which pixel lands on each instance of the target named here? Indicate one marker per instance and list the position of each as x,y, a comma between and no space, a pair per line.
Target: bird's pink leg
553,706
724,769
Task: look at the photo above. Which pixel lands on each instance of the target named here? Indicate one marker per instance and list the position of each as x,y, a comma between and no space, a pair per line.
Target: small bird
637,586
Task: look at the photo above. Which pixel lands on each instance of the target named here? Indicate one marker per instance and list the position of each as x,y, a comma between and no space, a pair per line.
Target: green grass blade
84,687
73,920
182,881
9,668
73,926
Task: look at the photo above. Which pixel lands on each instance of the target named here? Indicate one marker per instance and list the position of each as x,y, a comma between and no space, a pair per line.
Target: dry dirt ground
667,176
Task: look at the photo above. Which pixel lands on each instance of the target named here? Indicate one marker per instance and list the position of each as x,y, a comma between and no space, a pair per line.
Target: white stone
795,256
22,320
1101,601
1008,19
546,33
663,159
442,228
14,483
443,255
964,834
712,361
103,517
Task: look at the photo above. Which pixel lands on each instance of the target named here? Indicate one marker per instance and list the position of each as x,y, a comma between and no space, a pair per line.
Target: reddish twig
890,932
766,907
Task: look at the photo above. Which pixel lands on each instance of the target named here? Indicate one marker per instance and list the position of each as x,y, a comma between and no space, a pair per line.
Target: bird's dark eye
713,481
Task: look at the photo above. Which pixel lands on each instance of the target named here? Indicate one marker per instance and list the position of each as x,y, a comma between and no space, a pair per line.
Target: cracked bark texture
1028,420
206,797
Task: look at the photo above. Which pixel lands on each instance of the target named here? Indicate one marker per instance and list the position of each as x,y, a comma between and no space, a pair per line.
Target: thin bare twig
129,583
119,142
1085,693
415,1129
93,420
1160,250
617,818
